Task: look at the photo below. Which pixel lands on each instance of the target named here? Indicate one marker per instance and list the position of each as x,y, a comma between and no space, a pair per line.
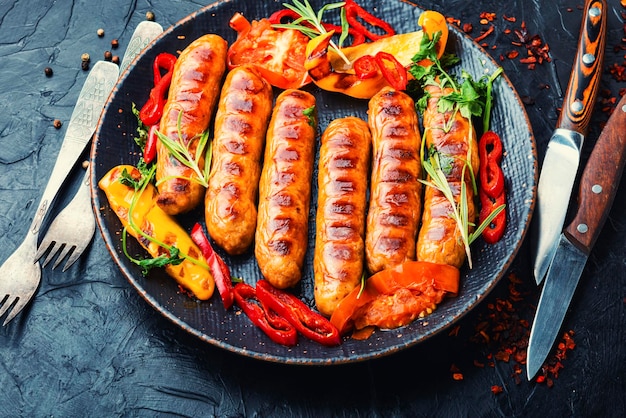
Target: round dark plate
113,145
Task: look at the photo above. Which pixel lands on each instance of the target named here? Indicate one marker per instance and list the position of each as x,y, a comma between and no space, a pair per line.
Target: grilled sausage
341,203
240,126
194,92
395,196
285,189
453,136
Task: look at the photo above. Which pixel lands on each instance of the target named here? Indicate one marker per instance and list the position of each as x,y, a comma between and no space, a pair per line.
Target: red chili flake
488,16
457,376
512,55
486,33
454,332
497,389
509,18
468,27
453,21
506,31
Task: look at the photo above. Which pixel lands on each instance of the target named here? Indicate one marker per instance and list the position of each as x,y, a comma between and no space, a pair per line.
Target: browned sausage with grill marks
285,189
395,195
192,97
240,127
454,138
341,204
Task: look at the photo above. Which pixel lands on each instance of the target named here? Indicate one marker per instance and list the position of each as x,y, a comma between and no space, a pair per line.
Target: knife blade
598,185
561,160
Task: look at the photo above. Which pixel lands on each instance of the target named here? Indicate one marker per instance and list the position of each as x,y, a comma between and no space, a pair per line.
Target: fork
71,231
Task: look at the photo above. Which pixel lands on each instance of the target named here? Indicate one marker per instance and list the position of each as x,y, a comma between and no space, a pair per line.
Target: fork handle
79,131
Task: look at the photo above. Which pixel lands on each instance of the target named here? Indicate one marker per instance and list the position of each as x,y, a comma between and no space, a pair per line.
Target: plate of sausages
337,116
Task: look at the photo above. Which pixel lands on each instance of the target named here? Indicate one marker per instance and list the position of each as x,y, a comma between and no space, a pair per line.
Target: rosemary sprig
182,153
316,28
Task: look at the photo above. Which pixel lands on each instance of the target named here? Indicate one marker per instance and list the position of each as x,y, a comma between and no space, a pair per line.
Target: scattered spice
497,389
115,43
486,33
100,32
150,15
48,71
85,57
57,123
108,56
115,59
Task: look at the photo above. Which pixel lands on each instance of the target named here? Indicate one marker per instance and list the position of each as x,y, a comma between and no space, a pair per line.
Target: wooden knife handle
584,80
599,181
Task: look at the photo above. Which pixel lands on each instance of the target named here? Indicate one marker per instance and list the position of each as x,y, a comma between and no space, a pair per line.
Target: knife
598,185
561,160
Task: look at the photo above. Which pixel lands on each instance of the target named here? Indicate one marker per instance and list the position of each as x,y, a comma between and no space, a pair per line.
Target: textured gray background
89,345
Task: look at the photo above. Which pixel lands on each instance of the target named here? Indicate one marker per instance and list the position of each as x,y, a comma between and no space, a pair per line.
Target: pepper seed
115,43
108,56
100,32
57,123
149,15
48,71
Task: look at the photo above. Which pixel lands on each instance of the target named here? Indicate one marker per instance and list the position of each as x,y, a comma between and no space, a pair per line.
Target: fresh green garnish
308,15
142,129
309,112
175,256
180,150
471,99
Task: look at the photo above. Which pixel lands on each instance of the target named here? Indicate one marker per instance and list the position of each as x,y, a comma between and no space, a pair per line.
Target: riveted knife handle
584,80
599,181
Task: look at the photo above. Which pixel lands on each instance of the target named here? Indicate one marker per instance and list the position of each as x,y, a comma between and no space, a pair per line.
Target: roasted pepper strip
153,221
491,175
151,112
149,150
331,72
219,269
277,328
392,70
310,324
492,192
354,11
495,230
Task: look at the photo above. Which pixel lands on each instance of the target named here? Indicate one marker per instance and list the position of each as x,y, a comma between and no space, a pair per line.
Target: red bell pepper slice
310,324
277,328
495,230
491,175
365,67
219,269
354,11
392,70
151,112
149,150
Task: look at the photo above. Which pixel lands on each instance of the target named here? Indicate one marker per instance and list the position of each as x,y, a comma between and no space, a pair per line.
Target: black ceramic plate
208,320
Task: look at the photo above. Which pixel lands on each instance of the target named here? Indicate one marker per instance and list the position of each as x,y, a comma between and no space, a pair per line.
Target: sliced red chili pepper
365,67
149,150
395,73
219,269
491,175
163,61
276,327
495,230
277,17
354,11
310,324
151,112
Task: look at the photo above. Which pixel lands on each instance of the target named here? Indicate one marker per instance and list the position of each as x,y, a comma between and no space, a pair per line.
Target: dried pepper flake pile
502,336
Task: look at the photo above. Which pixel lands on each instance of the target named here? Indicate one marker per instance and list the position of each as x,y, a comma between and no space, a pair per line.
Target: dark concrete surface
89,345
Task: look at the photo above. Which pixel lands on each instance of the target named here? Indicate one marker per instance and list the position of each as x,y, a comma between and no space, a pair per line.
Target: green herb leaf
142,130
310,114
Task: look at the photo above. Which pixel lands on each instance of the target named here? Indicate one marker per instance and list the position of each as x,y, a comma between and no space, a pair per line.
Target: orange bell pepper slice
332,71
396,296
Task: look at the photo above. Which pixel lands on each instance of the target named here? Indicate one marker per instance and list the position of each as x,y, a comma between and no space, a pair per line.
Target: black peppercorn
48,71
108,55
115,43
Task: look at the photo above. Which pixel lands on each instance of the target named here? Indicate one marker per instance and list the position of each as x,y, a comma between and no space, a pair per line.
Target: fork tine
64,252
55,247
18,304
72,259
5,305
41,250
